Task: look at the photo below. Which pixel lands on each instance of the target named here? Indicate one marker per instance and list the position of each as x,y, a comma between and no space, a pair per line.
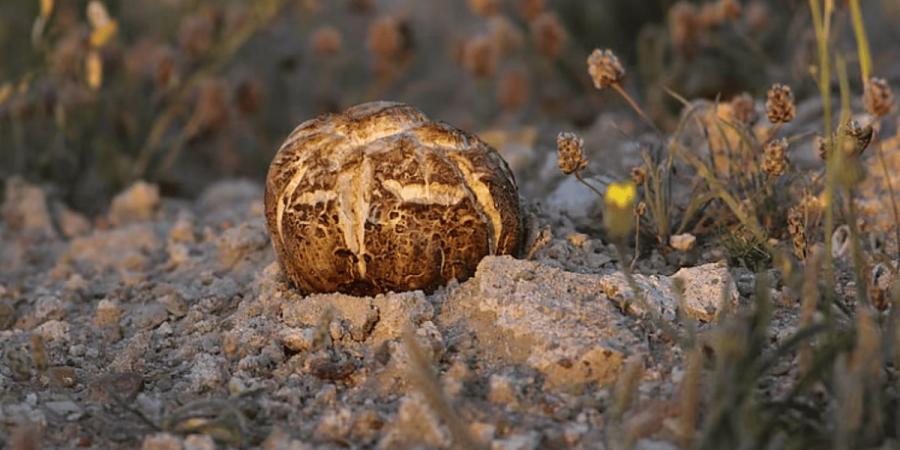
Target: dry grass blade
429,385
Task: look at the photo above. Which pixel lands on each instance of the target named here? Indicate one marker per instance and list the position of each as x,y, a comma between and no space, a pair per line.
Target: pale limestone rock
25,208
137,203
703,292
558,322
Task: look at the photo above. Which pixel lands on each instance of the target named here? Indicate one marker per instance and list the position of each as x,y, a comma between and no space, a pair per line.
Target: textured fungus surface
380,198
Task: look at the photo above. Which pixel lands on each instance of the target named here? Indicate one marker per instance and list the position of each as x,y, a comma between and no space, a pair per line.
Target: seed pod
570,152
775,159
878,97
780,106
484,8
605,68
797,230
480,56
379,198
744,109
548,34
326,41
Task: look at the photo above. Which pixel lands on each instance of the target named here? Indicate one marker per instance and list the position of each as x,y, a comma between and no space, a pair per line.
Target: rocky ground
166,324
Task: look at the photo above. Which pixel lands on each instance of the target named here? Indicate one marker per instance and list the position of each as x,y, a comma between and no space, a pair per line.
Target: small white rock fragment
54,330
298,339
182,231
72,223
161,441
683,242
577,239
25,208
137,203
522,441
199,442
108,313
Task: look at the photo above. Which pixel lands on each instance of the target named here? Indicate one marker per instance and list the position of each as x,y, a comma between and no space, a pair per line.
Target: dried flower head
506,36
796,226
195,34
548,34
716,14
757,15
388,37
881,279
708,17
743,109
640,209
570,150
878,97
729,9
326,40
856,137
513,90
780,106
529,9
484,8
820,144
211,110
605,68
775,157
249,95
638,175
683,24
480,56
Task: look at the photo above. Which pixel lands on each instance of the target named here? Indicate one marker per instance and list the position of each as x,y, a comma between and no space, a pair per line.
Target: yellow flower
618,216
621,195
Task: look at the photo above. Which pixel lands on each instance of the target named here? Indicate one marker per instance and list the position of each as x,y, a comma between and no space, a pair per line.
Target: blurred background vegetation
96,94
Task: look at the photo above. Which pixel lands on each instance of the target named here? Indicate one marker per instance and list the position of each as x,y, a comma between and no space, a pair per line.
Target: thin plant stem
589,186
821,25
618,87
430,387
858,264
637,240
862,42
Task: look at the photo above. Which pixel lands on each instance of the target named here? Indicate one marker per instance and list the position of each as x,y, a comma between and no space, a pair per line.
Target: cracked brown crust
379,198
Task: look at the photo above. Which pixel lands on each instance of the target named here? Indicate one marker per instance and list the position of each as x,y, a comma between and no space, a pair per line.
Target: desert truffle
379,198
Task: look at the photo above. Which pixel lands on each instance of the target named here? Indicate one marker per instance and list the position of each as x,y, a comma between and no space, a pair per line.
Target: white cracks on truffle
286,193
484,197
426,193
354,195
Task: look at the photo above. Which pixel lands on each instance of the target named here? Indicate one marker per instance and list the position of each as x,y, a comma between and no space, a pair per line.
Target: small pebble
683,242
